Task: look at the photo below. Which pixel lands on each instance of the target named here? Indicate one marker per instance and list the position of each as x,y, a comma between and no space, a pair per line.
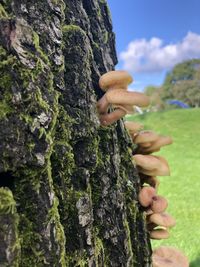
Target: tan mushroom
122,97
159,234
107,119
117,79
159,204
161,219
145,138
133,127
146,195
151,165
156,145
124,100
115,84
112,80
169,257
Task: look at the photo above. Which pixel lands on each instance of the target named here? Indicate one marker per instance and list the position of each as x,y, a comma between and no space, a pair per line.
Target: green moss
60,235
129,243
99,249
5,109
3,13
7,202
78,259
36,42
8,209
71,28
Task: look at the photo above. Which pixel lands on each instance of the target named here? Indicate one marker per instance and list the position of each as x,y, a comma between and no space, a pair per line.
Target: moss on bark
73,181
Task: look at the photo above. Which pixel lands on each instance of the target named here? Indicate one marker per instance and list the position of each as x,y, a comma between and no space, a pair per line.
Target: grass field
182,188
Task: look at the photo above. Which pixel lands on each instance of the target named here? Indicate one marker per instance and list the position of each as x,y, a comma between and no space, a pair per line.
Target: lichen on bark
70,183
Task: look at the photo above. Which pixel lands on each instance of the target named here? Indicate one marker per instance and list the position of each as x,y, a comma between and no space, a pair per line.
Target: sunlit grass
182,188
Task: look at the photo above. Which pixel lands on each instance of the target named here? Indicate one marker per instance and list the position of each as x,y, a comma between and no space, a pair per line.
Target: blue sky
154,35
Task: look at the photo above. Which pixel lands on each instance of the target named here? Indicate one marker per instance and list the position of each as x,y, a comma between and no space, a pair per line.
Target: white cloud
152,55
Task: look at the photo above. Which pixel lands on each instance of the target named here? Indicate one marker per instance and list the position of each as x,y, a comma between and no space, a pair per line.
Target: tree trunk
68,188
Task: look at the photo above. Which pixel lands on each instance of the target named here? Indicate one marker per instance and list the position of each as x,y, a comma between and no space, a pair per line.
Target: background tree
68,188
182,83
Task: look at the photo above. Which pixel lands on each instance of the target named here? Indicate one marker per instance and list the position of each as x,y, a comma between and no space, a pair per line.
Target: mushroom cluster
117,97
149,167
115,104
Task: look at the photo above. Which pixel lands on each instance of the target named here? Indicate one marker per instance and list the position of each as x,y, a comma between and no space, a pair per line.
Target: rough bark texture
68,188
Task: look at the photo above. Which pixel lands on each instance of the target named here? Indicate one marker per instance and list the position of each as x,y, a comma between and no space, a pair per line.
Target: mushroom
123,100
115,83
151,165
110,81
145,138
107,119
161,219
146,195
133,127
169,257
159,204
159,234
115,79
148,198
156,145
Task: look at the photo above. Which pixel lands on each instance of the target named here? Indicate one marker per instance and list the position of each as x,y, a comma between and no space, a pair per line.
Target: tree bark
68,188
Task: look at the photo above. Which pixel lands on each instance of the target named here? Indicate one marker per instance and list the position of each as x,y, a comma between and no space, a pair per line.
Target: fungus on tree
161,219
156,145
115,84
133,127
159,234
169,257
151,165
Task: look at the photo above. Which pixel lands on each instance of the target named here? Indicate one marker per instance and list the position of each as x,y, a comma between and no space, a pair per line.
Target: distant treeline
181,83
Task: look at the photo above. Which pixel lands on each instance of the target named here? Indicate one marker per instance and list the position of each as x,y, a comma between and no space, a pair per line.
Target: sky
154,35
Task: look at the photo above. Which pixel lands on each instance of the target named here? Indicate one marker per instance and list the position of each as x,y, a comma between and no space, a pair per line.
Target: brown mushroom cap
147,162
115,79
146,137
108,119
122,97
159,234
159,204
162,219
169,257
157,144
152,165
133,127
146,195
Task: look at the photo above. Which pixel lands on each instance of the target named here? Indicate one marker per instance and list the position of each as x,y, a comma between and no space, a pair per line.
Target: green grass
182,188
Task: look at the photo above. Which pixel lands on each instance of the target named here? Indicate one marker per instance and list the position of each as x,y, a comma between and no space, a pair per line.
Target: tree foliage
183,83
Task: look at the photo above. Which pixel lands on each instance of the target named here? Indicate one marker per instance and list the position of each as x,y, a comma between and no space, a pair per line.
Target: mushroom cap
147,162
146,137
159,204
169,257
162,219
115,79
152,165
123,97
159,234
132,126
157,144
109,118
146,195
